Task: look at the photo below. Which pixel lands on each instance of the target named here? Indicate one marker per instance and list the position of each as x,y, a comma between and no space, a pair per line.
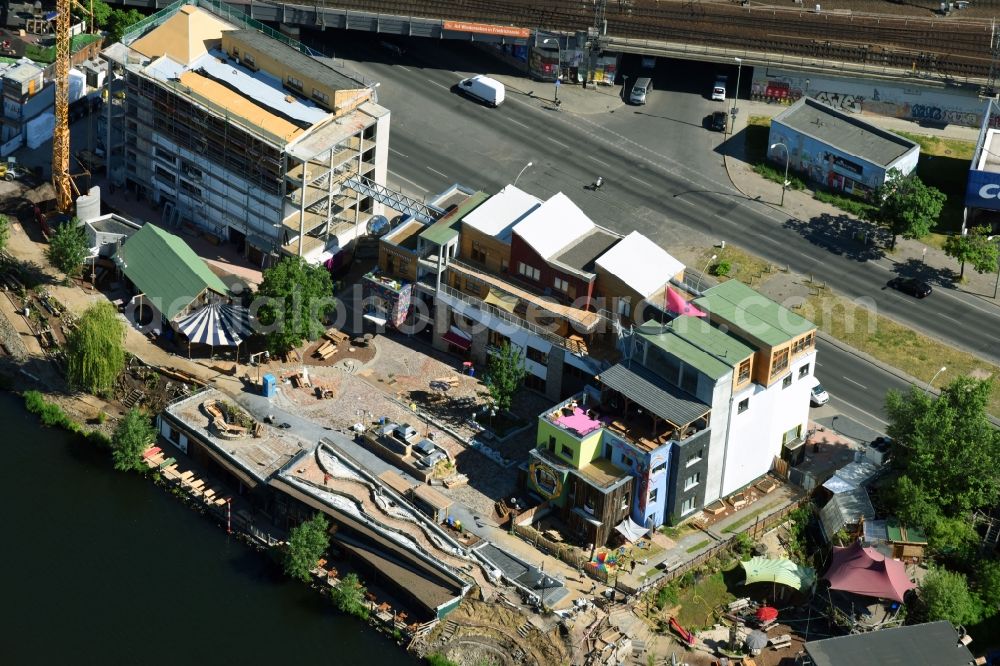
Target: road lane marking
439,85
404,67
602,162
443,175
518,122
558,143
640,180
403,178
854,382
393,150
861,411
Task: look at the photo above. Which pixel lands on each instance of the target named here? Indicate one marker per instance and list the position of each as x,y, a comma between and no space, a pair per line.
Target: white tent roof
631,530
640,263
217,324
553,225
502,211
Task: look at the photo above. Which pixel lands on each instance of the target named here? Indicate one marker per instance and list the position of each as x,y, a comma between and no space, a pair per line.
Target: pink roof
867,572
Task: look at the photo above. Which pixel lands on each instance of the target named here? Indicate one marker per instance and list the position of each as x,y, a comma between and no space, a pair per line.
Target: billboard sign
487,29
983,190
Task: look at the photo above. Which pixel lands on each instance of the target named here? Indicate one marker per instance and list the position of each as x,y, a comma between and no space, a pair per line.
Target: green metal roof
753,313
697,343
901,534
164,267
446,229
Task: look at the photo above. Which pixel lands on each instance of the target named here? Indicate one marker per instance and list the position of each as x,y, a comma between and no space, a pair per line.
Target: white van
487,90
642,86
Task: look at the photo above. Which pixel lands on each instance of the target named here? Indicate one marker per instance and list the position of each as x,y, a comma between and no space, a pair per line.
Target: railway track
951,46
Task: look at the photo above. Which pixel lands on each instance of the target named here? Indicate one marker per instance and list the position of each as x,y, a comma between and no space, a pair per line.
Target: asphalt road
664,176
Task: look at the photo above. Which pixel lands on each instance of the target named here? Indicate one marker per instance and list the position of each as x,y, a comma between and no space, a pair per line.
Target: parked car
818,396
912,286
719,121
488,91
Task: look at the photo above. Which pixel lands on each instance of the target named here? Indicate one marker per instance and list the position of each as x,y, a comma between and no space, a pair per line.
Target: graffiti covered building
838,150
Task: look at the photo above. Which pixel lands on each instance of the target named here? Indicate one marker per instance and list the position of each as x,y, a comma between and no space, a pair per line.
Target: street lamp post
736,95
558,64
701,276
784,183
931,382
523,169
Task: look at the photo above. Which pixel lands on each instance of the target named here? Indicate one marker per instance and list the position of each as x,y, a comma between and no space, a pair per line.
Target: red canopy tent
867,572
767,613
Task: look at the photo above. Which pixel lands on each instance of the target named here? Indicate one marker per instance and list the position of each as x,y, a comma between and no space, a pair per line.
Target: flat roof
498,215
697,343
446,229
554,225
844,131
309,67
928,644
989,156
640,263
405,235
753,313
258,457
602,473
431,497
395,481
584,251
663,399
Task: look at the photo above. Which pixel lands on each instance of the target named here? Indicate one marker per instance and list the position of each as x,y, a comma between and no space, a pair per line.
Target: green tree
95,349
298,297
102,12
68,247
945,595
132,437
4,231
906,206
119,21
349,596
306,544
988,586
506,374
976,247
945,448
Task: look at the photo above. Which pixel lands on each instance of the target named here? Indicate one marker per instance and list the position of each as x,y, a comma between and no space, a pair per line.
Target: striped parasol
217,324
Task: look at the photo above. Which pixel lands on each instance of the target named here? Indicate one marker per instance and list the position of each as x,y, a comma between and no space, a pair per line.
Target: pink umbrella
767,613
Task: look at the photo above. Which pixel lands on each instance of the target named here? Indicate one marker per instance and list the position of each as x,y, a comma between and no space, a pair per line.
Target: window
779,362
566,452
803,344
791,435
786,382
743,406
164,176
659,468
744,373
653,493
624,307
478,252
504,265
687,506
321,96
804,371
534,382
552,443
529,272
473,285
293,82
175,436
692,481
694,458
496,339
588,505
536,355
190,189
560,284
248,60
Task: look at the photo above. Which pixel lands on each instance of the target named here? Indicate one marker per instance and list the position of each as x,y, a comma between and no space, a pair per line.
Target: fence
571,555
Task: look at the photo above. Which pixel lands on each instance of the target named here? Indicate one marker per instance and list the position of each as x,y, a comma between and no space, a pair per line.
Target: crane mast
61,180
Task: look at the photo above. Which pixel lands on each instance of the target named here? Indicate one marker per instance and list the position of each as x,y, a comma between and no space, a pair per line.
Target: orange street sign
487,29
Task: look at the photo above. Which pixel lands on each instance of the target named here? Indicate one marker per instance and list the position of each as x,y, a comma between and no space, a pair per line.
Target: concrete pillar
554,376
442,315
480,338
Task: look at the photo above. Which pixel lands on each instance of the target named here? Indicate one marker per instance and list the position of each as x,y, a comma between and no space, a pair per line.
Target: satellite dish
378,226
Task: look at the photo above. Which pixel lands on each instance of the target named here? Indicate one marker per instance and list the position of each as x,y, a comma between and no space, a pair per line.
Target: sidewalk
911,257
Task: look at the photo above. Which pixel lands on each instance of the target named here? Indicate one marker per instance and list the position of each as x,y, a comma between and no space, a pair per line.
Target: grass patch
940,147
700,601
846,203
52,415
698,546
944,163
737,524
777,175
856,324
744,266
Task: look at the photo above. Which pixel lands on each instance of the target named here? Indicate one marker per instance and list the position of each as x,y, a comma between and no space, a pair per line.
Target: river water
102,567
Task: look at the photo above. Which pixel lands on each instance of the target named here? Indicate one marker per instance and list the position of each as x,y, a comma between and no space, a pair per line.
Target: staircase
450,627
524,630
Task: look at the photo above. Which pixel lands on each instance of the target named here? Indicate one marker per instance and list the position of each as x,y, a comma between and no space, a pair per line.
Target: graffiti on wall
841,101
926,112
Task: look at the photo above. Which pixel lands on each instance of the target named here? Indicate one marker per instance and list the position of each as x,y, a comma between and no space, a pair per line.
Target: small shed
431,502
907,543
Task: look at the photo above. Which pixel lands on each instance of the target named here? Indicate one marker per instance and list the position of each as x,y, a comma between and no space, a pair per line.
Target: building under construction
240,133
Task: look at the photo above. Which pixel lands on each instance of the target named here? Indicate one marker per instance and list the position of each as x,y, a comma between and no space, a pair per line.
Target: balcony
576,416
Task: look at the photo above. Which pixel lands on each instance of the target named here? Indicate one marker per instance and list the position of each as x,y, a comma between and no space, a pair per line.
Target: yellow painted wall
583,450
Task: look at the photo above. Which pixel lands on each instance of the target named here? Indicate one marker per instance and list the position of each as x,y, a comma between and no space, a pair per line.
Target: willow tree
95,350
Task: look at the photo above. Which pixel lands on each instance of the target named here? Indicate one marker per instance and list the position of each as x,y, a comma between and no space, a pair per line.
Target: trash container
269,387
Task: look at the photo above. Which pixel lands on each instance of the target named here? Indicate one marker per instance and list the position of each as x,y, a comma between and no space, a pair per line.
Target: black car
718,121
912,286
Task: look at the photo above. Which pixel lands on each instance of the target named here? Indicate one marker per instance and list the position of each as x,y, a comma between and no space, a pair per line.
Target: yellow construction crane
62,181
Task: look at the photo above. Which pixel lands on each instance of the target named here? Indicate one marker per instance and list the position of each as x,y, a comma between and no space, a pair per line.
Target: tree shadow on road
842,235
935,275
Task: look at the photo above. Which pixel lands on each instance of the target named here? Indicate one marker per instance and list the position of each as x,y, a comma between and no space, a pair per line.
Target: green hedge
52,416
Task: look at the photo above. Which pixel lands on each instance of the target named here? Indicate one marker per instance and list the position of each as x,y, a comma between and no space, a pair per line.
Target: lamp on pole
784,183
523,169
736,95
558,64
701,276
931,382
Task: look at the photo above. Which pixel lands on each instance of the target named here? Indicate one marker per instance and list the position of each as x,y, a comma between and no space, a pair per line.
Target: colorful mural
545,480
